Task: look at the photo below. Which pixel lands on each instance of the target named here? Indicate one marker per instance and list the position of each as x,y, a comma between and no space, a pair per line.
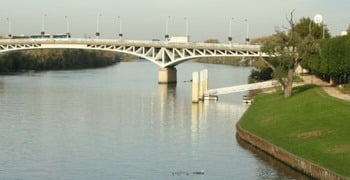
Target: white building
179,39
344,33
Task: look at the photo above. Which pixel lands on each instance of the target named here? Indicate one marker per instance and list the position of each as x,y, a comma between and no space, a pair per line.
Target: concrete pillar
195,84
203,85
167,75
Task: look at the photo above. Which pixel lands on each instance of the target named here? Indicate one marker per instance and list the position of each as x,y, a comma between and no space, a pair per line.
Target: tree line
331,60
302,43
56,59
234,61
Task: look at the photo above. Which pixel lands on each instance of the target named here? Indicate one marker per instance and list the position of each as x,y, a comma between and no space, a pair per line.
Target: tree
306,26
332,59
258,75
289,48
214,41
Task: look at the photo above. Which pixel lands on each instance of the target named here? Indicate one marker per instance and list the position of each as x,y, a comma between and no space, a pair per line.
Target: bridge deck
160,44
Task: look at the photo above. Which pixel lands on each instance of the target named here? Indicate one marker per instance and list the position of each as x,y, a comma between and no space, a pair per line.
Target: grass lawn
309,124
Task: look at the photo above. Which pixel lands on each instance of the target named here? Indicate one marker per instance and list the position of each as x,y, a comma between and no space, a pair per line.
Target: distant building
179,39
344,33
300,70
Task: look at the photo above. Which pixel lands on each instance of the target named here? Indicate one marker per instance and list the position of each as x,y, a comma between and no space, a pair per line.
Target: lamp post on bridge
98,26
120,28
247,32
67,26
167,28
186,21
9,26
43,25
230,32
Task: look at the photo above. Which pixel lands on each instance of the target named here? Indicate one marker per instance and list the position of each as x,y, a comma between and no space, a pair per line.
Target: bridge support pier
167,75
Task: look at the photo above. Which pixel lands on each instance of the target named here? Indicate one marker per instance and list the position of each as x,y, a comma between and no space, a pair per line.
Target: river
118,123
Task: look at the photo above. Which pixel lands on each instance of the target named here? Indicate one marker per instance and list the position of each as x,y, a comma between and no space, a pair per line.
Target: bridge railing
128,42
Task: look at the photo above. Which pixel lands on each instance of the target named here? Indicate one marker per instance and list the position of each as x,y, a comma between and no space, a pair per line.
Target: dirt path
332,91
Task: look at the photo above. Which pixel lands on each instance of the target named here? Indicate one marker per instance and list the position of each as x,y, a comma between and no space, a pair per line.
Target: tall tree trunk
289,84
333,80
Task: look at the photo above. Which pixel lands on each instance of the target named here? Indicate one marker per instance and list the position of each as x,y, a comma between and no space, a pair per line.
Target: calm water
118,123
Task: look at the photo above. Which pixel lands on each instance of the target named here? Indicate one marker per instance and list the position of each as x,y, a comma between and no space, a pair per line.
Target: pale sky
146,19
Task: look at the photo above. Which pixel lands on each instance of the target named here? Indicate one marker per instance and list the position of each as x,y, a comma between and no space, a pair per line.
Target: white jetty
241,88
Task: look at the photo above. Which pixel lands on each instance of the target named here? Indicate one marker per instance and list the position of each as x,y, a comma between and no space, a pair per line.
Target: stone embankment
302,165
298,163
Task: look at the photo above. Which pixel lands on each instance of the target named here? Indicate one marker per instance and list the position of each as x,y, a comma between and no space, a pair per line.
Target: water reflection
198,122
263,172
196,112
167,96
199,116
2,86
166,91
95,124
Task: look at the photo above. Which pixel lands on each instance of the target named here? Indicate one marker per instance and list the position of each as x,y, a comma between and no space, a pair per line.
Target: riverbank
310,125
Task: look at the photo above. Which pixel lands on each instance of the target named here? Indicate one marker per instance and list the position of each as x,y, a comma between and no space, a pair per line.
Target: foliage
214,41
290,124
332,58
306,26
258,75
289,48
55,60
220,60
262,40
126,57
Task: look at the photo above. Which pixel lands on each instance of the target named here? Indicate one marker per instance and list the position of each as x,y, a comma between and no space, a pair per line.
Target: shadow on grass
304,88
299,89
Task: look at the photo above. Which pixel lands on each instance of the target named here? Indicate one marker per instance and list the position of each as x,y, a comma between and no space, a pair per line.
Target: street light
247,29
186,21
10,26
120,28
67,26
98,26
230,31
43,24
167,28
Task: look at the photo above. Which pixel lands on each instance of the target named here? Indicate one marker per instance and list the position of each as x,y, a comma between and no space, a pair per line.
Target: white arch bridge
165,54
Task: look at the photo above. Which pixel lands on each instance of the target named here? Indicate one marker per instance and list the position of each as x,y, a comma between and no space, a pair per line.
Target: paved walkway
330,90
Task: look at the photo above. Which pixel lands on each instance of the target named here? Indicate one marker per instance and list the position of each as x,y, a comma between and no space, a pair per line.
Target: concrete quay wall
306,167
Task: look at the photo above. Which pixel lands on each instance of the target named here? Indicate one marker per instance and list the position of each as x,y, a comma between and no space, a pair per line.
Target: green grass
297,79
310,124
